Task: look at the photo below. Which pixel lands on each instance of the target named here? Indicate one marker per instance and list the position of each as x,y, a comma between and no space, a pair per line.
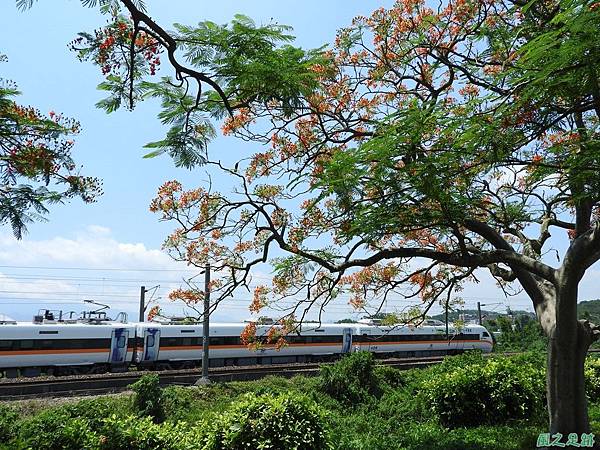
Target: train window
5,344
27,344
216,341
188,331
485,334
121,341
46,344
187,341
48,332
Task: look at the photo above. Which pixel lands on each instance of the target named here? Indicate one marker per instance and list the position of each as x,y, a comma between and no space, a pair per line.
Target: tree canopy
435,142
425,144
461,135
36,168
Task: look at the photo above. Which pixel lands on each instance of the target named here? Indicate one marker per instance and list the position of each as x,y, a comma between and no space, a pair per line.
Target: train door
151,344
118,345
347,341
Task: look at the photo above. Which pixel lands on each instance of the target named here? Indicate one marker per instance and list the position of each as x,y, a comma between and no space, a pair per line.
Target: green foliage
592,378
37,168
148,400
134,433
55,429
491,393
280,413
240,63
362,431
589,310
351,380
8,423
285,421
389,377
522,334
250,61
95,410
178,403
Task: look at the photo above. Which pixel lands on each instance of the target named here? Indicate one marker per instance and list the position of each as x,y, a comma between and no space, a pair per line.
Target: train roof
110,324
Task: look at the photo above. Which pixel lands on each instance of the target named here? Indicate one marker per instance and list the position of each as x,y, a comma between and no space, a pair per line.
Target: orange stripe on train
198,347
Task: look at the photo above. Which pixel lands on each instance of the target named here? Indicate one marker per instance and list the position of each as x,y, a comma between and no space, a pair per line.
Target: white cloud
94,248
63,271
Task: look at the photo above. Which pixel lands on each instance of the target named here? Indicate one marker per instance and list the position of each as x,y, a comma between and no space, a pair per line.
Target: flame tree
423,145
36,168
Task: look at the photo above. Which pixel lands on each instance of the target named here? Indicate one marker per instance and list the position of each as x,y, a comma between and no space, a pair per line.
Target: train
54,345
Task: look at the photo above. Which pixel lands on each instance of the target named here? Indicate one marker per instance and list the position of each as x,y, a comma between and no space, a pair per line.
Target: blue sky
119,231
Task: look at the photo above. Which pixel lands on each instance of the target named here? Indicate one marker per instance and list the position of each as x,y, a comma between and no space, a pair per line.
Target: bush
55,430
388,376
134,433
178,404
96,410
286,421
8,423
147,400
592,378
351,380
491,393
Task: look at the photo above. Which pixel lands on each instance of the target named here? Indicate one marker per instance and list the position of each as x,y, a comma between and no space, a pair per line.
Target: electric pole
447,335
142,303
205,323
479,312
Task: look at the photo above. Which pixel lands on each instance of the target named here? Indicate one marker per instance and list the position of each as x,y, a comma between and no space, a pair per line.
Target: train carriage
171,343
181,345
94,343
65,347
422,341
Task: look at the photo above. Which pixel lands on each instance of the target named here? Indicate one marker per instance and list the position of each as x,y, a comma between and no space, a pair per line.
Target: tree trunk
567,402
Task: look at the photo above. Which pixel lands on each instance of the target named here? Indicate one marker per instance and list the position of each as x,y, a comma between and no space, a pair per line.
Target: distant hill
471,314
589,310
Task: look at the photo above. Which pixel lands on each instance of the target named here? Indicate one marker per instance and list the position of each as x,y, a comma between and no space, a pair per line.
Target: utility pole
447,335
479,312
205,323
142,303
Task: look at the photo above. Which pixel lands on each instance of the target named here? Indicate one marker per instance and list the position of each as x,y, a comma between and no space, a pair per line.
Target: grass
395,418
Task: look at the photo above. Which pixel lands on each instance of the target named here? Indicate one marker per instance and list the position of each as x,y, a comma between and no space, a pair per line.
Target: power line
114,269
98,269
82,294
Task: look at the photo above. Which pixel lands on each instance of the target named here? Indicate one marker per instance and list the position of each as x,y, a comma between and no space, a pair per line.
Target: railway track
81,385
85,385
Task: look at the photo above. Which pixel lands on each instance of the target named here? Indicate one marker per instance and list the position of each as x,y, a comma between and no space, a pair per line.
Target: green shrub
286,421
364,431
96,410
401,405
179,404
54,429
430,436
8,423
147,400
135,433
388,376
592,378
491,393
351,380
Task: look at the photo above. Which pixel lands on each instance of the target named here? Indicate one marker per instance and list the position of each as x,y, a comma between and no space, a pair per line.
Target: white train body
82,347
25,345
